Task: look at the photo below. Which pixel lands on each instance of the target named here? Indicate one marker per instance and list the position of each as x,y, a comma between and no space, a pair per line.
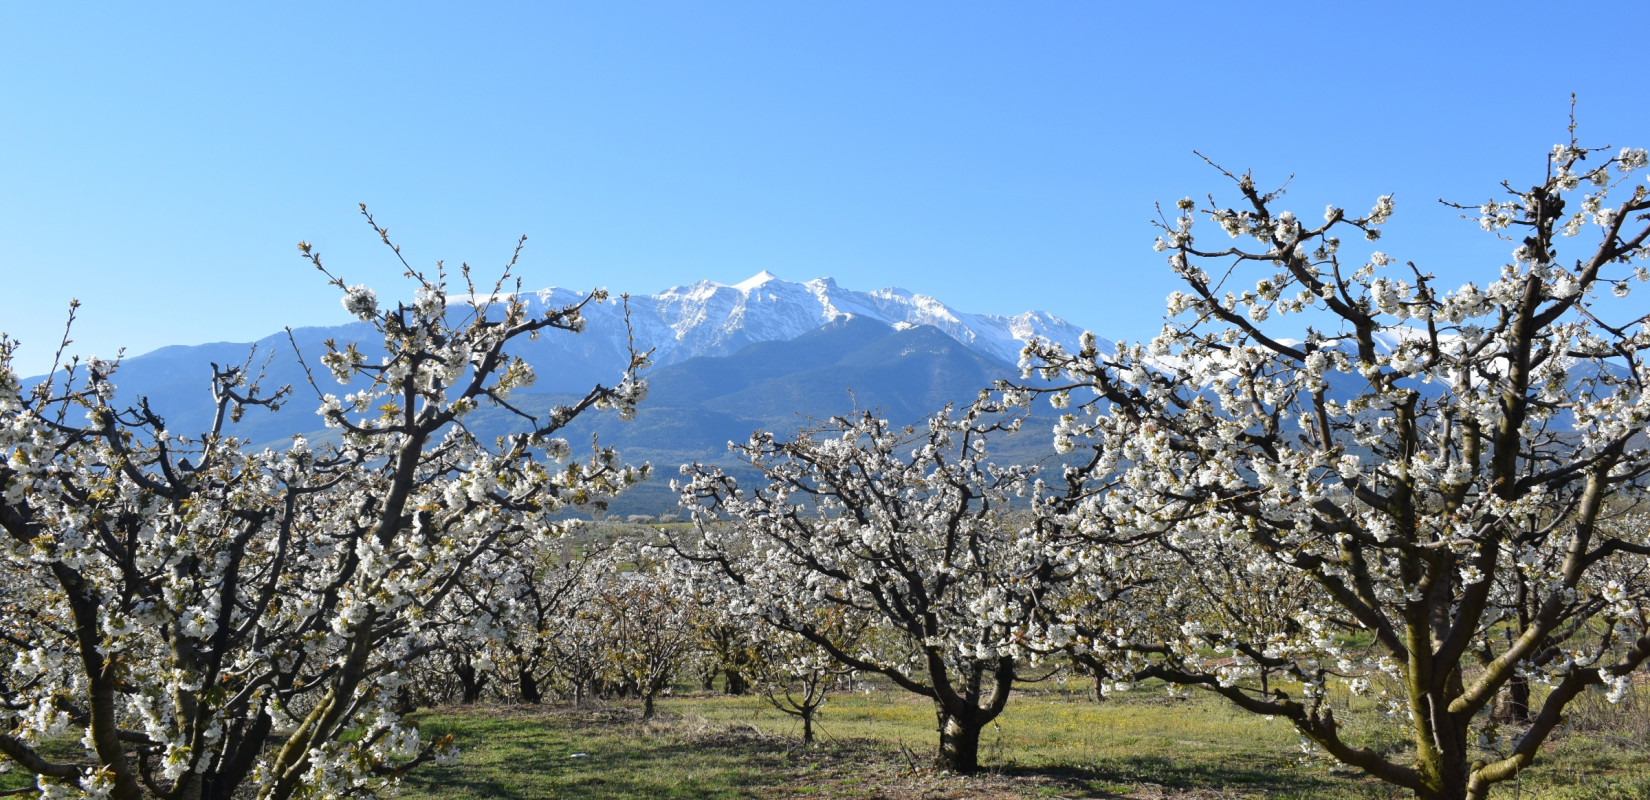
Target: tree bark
527,687
736,683
1514,703
959,745
1448,770
470,680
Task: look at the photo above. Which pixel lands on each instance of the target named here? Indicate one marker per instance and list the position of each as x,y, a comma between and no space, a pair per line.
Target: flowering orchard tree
214,620
541,611
647,632
909,529
727,644
1436,479
797,676
503,632
579,655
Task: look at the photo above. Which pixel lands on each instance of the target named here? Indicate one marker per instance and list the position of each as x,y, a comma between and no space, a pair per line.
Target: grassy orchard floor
879,745
1140,746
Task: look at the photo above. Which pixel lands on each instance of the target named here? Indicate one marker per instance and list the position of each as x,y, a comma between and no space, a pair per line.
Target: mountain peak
755,281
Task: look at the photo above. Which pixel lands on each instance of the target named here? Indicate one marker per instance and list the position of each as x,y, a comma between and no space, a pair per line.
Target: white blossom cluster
908,531
180,601
1426,497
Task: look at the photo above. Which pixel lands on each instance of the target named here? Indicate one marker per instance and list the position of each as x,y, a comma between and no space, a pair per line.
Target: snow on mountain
709,319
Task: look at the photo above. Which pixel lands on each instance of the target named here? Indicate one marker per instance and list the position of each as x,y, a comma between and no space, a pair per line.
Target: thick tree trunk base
959,747
736,683
527,687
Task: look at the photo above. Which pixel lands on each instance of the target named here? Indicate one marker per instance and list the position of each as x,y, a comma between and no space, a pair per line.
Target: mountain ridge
710,318
728,360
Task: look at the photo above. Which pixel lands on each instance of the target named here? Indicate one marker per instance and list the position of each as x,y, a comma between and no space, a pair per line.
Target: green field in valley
879,745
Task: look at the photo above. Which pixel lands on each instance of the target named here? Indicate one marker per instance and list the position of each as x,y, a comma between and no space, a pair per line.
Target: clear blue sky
160,161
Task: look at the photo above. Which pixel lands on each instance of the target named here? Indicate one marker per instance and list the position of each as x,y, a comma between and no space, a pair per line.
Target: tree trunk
527,687
1514,703
1450,773
221,784
959,746
736,683
647,706
1450,793
405,701
807,726
188,787
471,682
470,679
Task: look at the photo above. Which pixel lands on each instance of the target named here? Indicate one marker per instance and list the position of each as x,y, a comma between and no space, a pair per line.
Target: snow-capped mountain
753,354
713,319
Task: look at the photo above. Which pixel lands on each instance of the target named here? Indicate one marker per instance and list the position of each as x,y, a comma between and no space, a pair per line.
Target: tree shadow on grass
573,757
520,755
1120,777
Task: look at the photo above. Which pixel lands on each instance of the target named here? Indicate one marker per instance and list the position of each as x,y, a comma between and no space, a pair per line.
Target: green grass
879,744
526,753
1051,729
874,745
